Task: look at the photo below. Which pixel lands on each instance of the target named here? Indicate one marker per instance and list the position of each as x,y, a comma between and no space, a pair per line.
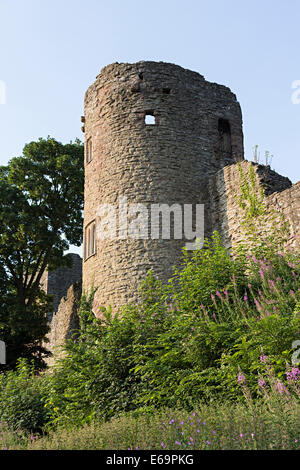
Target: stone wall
65,322
288,203
197,131
57,283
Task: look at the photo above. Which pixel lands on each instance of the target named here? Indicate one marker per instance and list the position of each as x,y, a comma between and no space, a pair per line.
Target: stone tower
155,133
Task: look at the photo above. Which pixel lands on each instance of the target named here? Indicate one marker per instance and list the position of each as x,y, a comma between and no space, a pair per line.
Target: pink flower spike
241,379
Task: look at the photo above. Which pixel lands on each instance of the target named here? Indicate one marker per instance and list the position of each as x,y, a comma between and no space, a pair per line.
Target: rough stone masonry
197,131
188,155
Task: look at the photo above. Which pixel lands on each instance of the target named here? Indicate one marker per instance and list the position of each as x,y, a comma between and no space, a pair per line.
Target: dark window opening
224,137
166,91
89,150
141,76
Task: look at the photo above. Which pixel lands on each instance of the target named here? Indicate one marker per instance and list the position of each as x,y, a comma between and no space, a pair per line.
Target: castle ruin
156,133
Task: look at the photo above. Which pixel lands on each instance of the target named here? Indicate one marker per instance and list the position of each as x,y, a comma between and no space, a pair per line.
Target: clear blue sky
52,50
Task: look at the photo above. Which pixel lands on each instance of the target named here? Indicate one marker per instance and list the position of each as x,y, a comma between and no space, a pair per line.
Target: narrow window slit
89,150
225,137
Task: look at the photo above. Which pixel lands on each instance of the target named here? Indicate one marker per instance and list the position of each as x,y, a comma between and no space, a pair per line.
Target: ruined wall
168,162
224,189
65,322
288,203
57,282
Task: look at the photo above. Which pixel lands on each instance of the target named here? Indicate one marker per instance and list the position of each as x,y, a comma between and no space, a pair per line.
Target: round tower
154,134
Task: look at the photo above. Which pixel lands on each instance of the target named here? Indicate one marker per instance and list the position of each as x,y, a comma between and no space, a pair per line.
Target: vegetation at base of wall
22,399
221,330
273,423
217,320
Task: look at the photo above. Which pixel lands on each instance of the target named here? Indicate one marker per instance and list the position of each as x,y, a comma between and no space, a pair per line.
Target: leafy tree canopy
41,202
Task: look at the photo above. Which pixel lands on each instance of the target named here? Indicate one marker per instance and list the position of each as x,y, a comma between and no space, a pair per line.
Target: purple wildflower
261,383
293,374
264,359
241,378
281,388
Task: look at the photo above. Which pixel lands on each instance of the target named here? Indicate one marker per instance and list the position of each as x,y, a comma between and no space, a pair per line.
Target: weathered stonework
65,322
189,156
169,162
224,189
57,283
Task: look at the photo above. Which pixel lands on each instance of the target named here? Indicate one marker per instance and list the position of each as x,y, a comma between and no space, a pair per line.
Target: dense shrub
22,404
186,341
223,327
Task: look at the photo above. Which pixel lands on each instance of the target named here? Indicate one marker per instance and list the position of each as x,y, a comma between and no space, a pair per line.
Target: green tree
41,202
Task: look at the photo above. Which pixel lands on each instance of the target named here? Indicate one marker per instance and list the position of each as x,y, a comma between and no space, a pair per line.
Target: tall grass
272,423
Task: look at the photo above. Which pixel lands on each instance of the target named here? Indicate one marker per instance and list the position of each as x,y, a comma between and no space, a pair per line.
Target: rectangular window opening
90,240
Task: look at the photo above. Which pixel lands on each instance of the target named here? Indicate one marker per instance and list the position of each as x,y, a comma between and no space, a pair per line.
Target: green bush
222,323
184,342
22,404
